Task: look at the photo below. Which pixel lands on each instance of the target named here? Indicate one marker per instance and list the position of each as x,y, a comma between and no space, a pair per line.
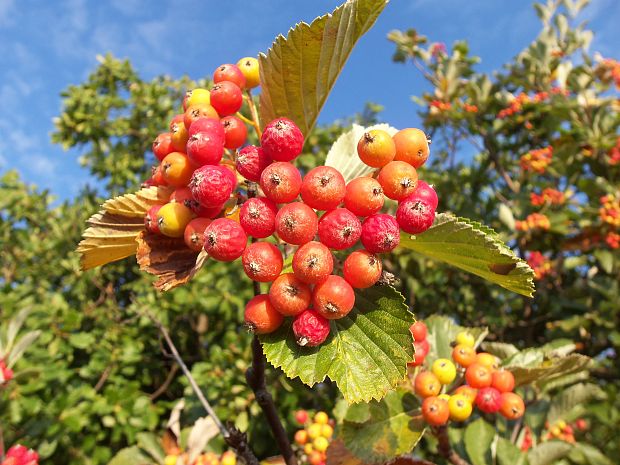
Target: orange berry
511,405
478,376
463,355
260,316
468,392
177,169
488,360
435,411
426,384
503,381
398,180
411,146
376,148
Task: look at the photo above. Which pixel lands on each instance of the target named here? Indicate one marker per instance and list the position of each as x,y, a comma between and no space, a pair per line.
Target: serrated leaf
394,427
475,248
563,404
442,332
343,153
478,438
130,456
136,205
548,452
299,70
547,370
366,353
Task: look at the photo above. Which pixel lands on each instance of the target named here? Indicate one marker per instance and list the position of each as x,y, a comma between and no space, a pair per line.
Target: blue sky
47,45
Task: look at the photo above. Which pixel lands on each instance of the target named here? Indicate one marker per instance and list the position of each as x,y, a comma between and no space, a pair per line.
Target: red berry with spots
339,229
226,98
150,219
415,216
282,140
211,185
236,132
380,233
362,269
313,262
333,297
281,182
195,232
230,73
260,316
323,188
425,192
162,145
418,331
225,240
262,262
205,148
290,295
258,217
251,162
210,125
364,196
488,400
310,328
296,223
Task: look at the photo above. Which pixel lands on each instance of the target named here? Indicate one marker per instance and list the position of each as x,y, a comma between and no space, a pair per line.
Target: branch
161,389
444,447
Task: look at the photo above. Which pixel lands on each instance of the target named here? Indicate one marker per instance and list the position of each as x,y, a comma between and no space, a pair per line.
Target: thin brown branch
444,447
103,378
164,386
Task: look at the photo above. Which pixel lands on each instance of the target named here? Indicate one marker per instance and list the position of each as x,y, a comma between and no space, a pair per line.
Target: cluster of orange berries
208,458
314,438
612,239
533,221
522,99
537,160
560,430
609,70
609,211
487,387
539,263
439,106
548,196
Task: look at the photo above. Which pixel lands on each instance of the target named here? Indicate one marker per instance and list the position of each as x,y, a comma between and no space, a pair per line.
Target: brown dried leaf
167,258
137,204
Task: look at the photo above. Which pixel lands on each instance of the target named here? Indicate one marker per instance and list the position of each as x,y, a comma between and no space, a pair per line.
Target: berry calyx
333,297
415,216
290,295
362,269
364,196
257,217
262,262
339,229
296,223
260,315
312,262
281,182
380,233
225,240
376,148
282,140
411,146
398,180
323,188
310,328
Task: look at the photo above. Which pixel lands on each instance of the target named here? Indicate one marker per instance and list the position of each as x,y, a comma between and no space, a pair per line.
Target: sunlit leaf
137,204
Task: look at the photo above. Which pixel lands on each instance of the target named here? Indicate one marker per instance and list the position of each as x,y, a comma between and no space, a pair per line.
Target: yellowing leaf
136,205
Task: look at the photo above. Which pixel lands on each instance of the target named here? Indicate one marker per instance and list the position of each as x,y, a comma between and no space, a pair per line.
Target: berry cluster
522,99
208,458
537,160
533,221
314,438
549,196
6,374
540,264
486,386
20,455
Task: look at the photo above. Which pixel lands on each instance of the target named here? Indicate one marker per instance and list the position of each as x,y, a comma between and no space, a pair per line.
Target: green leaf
500,349
442,332
475,248
548,452
393,427
508,453
299,71
588,454
150,443
563,404
366,353
547,370
478,438
130,456
21,346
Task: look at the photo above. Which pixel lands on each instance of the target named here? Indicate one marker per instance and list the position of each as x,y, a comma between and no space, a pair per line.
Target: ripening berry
251,161
282,140
296,223
420,350
323,188
488,360
314,431
157,177
488,400
205,148
398,180
281,182
321,418
260,316
177,169
435,411
172,219
250,69
262,262
414,216
376,148
465,338
469,392
445,370
301,417
380,233
362,269
162,145
226,98
225,240
411,146
333,297
150,219
503,380
478,376
426,384
228,458
301,437
320,444
419,331
290,295
339,229
195,232
327,431
195,112
210,125
312,262
230,73
195,97
211,185
364,196
460,407
179,137
316,458
258,217
511,405
310,328
176,119
463,355
425,192
235,131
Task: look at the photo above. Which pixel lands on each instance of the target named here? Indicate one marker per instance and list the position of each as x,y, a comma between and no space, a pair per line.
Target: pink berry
310,328
380,233
211,185
225,239
296,223
339,229
205,148
150,219
282,140
251,161
414,215
226,98
323,188
488,400
258,217
204,124
281,182
425,192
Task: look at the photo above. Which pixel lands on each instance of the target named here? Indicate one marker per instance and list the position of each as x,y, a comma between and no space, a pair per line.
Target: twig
255,120
103,378
444,447
161,389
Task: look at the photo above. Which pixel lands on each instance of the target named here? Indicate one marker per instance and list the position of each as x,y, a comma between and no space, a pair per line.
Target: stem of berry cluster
444,447
254,112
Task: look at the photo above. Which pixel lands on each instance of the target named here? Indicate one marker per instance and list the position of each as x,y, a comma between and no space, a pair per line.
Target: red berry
421,347
296,223
195,232
210,125
310,328
236,132
312,262
150,219
205,148
226,98
158,176
225,239
415,216
282,140
260,316
262,262
198,111
333,297
419,331
398,180
258,217
281,182
380,233
362,269
251,161
503,380
323,188
435,411
211,185
162,145
425,192
364,196
289,295
488,400
176,119
230,73
339,229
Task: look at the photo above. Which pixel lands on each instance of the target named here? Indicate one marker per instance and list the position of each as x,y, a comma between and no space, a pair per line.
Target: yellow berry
250,68
561,424
228,458
460,407
327,431
465,338
308,448
170,460
197,96
376,148
314,431
445,370
445,397
321,444
321,418
172,219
